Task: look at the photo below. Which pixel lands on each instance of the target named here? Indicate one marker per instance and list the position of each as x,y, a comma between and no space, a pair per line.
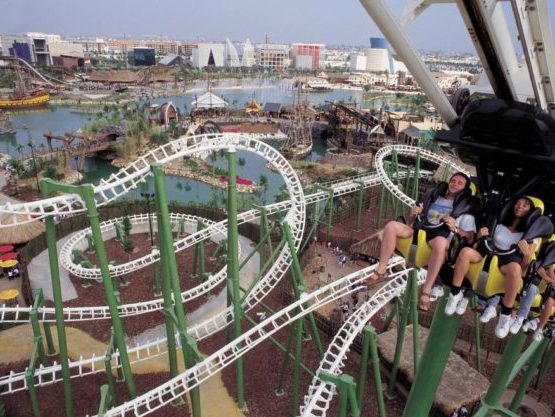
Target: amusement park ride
509,162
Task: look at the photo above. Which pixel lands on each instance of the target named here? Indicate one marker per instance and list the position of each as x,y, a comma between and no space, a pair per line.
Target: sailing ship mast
299,131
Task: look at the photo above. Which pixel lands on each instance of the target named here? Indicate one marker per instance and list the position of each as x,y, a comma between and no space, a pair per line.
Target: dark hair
462,174
510,216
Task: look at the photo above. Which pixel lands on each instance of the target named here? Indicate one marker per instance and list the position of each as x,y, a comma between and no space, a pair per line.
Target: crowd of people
519,238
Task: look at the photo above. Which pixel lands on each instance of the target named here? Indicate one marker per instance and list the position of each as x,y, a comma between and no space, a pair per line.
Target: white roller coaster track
226,355
86,366
408,151
320,393
183,383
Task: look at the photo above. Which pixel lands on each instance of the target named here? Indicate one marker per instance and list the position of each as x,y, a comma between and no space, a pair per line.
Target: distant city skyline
329,22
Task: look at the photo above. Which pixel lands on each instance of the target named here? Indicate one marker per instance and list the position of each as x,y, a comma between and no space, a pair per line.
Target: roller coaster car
512,145
416,249
545,259
491,282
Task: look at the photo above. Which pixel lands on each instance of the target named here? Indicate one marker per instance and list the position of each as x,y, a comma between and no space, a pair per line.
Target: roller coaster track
86,366
226,355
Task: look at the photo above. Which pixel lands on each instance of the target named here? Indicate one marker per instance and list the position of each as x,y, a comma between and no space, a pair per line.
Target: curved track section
183,383
407,151
320,393
129,177
86,366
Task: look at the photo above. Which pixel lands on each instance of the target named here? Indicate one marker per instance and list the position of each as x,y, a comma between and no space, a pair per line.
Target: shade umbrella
8,264
19,233
6,248
8,256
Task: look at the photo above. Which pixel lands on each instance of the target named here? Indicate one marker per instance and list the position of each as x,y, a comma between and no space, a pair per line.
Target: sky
339,22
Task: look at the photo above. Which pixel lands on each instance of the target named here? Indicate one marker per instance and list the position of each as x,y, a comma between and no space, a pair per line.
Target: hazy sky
323,21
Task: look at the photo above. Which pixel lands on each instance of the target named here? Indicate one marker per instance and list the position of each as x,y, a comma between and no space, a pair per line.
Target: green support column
545,365
345,384
416,177
168,300
360,197
296,384
108,367
299,283
529,374
166,245
401,326
477,337
413,285
287,356
156,275
48,337
87,193
502,374
46,189
376,371
200,249
369,347
441,338
233,267
381,207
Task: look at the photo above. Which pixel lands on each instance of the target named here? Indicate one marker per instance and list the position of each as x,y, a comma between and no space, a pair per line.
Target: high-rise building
378,58
273,56
358,62
307,55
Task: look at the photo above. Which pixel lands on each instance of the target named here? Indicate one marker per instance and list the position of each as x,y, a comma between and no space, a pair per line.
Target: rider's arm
548,275
527,250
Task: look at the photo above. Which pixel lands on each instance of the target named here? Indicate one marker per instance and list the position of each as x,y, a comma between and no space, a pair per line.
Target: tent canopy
209,100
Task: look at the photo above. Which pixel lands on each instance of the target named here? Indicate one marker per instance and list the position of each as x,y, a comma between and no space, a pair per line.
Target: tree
128,247
127,226
263,183
20,148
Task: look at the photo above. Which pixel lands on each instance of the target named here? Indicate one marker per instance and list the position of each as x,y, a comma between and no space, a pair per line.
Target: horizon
189,21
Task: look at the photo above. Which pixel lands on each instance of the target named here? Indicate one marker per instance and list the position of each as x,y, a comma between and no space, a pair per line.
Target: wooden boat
36,98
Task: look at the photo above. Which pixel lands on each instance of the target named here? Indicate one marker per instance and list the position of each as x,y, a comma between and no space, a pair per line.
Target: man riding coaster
446,210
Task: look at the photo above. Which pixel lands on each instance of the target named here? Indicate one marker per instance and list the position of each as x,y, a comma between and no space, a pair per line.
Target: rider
437,206
508,232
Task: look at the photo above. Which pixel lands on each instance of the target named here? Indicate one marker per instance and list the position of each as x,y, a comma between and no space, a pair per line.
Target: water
59,120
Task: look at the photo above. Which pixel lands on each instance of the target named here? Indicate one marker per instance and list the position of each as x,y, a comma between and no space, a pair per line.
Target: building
208,55
249,56
141,57
32,47
231,56
358,62
307,55
378,58
273,56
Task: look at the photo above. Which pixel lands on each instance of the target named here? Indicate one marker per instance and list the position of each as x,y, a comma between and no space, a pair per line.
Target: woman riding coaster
507,233
447,206
547,272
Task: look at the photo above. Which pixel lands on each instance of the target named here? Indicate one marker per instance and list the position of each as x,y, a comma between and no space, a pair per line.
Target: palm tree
20,148
263,183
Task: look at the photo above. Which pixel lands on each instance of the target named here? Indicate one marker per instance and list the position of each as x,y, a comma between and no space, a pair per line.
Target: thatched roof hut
22,233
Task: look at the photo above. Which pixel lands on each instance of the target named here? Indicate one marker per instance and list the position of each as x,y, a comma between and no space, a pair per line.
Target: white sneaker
530,325
489,313
436,293
461,307
538,335
517,324
452,303
503,326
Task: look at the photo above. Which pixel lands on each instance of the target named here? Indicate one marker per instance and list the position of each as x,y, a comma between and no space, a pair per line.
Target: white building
377,60
231,56
358,62
66,48
209,54
249,56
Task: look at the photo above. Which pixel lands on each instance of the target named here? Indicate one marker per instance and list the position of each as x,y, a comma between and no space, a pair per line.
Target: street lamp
31,145
148,196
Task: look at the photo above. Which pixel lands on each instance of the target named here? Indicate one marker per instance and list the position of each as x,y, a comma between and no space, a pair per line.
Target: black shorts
432,233
502,260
